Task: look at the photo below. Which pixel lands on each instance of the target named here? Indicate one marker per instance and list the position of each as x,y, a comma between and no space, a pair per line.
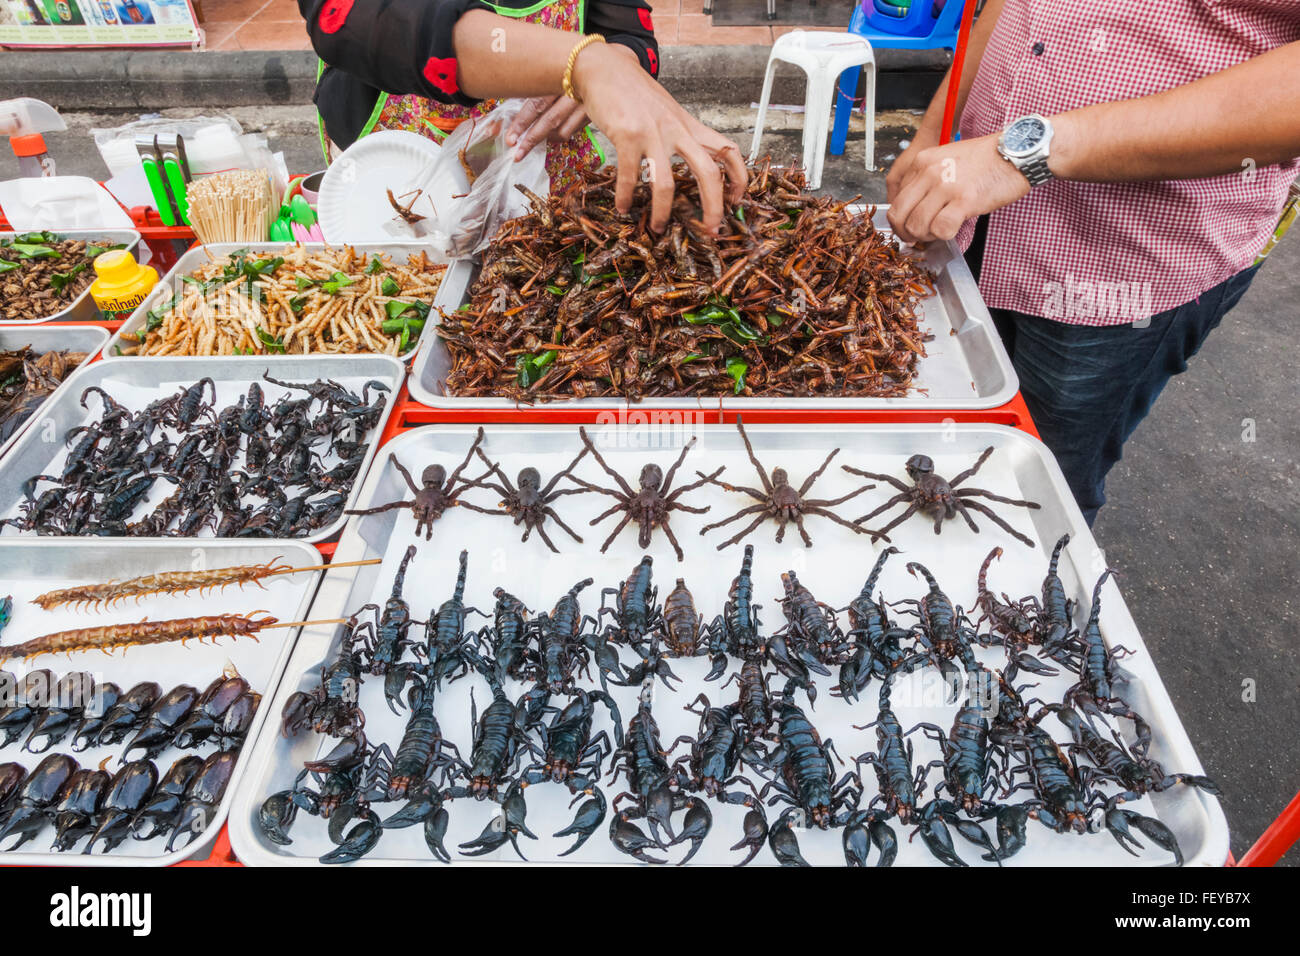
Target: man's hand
643,121
940,187
553,118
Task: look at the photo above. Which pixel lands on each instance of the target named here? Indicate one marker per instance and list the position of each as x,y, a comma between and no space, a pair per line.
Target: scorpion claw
856,840
659,809
424,802
785,845
882,836
1028,662
1011,834
628,838
276,815
435,830
1118,822
494,836
698,823
939,841
719,662
589,816
755,835
361,839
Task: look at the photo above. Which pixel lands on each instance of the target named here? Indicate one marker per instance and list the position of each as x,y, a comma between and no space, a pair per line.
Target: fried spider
939,499
530,503
782,502
437,493
650,507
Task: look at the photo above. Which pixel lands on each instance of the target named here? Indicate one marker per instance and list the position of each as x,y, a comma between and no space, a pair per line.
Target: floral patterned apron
417,114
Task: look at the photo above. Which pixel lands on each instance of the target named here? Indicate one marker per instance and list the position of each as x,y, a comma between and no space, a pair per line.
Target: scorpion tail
1118,823
589,816
1056,554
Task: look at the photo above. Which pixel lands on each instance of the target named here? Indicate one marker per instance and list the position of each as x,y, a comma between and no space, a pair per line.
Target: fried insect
530,503
781,501
109,637
797,295
651,505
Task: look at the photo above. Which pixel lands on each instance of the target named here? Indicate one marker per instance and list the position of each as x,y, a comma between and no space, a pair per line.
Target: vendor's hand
643,121
554,118
923,140
943,186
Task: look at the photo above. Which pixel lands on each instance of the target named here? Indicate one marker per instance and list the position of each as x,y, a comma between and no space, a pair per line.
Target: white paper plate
354,204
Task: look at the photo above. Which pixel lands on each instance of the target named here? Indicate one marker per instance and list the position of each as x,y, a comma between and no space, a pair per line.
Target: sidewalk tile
225,10
697,29
666,29
219,34
259,35
280,11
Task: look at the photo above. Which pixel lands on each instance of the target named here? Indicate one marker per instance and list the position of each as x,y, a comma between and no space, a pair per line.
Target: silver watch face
1024,135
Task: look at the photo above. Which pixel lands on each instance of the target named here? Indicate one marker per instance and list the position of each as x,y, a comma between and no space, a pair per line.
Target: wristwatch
1025,144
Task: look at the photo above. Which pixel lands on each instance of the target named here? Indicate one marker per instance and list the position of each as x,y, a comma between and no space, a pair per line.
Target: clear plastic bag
471,216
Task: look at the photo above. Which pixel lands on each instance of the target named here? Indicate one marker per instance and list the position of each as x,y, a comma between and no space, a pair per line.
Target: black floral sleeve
371,47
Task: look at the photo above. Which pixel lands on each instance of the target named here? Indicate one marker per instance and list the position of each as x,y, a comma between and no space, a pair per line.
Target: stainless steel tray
966,365
35,453
46,338
834,568
83,308
199,255
32,567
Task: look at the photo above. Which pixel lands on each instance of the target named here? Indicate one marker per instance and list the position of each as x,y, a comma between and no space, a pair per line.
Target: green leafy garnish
30,251
96,251
390,286
273,344
59,280
556,289
737,369
297,303
302,282
530,368
337,281
376,265
7,266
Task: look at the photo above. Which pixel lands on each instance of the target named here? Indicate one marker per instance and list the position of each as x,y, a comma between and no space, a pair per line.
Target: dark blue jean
1088,387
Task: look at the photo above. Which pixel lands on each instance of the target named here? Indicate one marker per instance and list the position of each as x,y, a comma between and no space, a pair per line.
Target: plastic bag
471,216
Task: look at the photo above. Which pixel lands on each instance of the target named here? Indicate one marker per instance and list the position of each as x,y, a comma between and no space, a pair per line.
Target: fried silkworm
108,637
173,582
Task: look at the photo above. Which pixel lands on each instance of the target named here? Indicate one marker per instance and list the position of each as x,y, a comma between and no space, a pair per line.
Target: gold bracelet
566,82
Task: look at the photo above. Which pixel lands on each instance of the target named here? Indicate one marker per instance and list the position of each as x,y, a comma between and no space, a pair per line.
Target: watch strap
1036,171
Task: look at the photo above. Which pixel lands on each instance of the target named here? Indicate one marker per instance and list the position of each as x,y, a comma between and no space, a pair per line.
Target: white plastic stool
823,55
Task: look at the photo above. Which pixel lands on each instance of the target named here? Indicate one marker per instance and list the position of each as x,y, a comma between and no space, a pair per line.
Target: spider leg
1001,524
677,506
546,492
762,472
780,529
752,492
961,509
739,514
972,469
672,538
492,467
405,474
900,485
704,480
911,510
980,492
605,514
601,461
545,537
550,513
803,533
382,508
730,541
483,511
896,500
808,482
614,534
478,440
817,510
668,478
835,501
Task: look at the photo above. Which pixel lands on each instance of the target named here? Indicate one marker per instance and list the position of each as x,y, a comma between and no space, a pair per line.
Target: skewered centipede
110,593
109,637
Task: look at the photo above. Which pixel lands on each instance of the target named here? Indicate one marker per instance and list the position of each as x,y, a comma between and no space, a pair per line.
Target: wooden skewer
324,620
331,566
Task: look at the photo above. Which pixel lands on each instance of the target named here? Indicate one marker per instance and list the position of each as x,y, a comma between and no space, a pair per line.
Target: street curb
141,80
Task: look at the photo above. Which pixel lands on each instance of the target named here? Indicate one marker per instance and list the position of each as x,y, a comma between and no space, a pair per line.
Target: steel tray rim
95,372
333,596
98,334
82,303
460,274
205,842
186,263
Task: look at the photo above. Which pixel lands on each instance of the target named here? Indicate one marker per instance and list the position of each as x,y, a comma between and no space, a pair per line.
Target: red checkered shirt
1109,253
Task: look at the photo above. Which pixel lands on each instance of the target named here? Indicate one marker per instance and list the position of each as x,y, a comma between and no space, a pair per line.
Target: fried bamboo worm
175,582
109,637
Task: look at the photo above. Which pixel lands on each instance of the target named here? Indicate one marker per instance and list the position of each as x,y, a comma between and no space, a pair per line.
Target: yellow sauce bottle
122,283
